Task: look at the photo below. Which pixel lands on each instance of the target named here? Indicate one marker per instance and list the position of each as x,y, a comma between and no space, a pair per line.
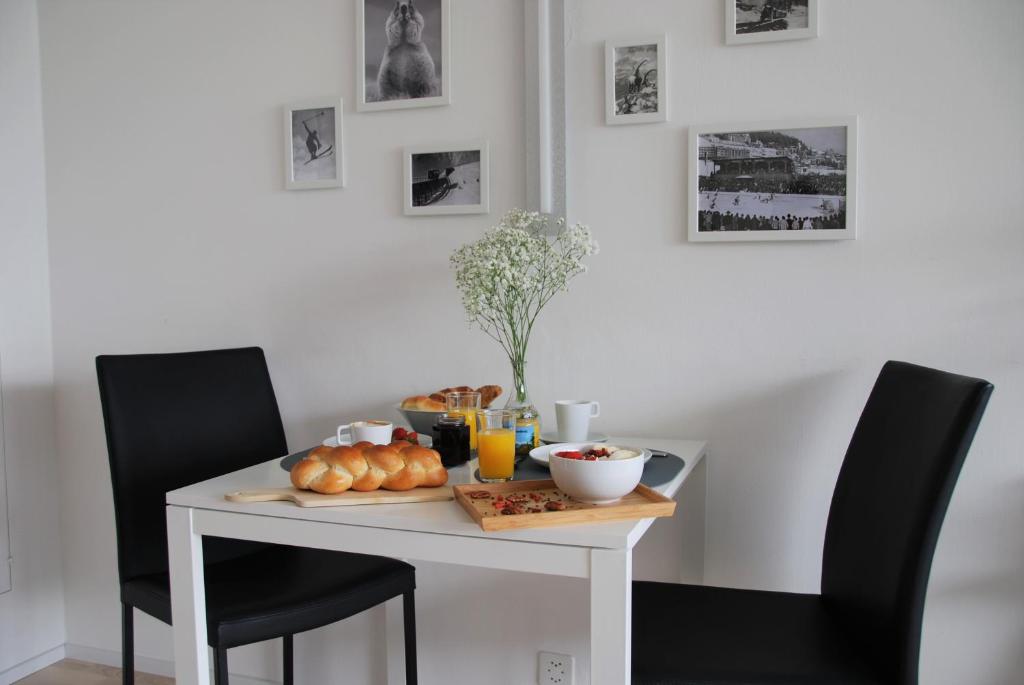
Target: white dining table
432,531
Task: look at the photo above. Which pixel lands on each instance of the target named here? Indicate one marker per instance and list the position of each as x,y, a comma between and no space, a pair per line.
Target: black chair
177,419
865,626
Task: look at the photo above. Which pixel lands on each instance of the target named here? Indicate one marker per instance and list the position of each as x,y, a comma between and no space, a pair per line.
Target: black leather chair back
177,419
891,497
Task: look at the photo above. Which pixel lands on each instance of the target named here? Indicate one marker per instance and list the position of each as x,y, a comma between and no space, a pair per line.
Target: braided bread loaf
365,466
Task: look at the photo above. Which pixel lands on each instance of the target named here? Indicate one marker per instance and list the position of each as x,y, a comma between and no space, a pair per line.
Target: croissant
442,394
488,393
365,466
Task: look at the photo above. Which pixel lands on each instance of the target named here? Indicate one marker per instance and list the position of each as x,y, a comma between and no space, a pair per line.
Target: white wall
32,613
769,350
169,230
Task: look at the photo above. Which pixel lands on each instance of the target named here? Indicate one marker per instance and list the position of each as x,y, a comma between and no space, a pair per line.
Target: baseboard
30,666
146,664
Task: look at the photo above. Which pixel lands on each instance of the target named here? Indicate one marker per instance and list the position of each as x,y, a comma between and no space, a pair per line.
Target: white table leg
188,598
611,599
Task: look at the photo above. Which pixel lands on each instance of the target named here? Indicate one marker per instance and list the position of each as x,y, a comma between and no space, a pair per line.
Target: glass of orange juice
467,404
496,445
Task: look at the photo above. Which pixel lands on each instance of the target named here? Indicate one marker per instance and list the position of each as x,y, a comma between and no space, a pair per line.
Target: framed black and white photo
403,54
774,181
636,80
313,153
762,21
447,179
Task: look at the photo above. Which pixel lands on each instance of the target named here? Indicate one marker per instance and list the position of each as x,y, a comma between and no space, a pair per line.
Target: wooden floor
71,672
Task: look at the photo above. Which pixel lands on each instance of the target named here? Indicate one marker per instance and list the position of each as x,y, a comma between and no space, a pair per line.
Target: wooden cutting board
308,498
643,502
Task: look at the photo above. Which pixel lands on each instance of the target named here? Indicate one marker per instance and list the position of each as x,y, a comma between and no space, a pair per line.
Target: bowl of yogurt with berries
595,473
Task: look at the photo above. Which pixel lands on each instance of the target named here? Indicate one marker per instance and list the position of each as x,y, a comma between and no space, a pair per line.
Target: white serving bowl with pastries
421,411
421,420
604,481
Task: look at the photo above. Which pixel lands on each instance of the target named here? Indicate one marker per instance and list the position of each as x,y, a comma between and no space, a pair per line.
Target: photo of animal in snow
451,180
313,143
635,81
404,53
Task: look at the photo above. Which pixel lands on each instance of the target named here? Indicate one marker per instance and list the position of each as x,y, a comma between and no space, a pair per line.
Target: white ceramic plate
542,454
424,440
552,438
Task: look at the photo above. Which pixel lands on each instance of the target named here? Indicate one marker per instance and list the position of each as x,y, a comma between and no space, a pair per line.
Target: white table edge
208,495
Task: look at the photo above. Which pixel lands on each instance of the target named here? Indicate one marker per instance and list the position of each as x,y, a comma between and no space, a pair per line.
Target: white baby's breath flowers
507,277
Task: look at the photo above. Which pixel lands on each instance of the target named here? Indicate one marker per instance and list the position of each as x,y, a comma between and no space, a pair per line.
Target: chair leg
127,644
220,669
409,613
289,659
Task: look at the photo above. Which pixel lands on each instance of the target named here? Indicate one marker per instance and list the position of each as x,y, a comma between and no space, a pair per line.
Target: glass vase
527,416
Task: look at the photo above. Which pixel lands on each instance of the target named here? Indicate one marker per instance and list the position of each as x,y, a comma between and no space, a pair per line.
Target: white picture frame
634,52
5,530
298,153
735,36
464,182
744,194
444,52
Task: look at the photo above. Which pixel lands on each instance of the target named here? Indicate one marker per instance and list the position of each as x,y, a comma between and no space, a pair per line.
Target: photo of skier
313,144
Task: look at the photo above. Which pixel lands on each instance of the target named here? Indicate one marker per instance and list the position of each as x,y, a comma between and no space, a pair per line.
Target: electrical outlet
554,669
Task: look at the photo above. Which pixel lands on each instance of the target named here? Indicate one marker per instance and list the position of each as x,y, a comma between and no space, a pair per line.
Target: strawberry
399,433
413,437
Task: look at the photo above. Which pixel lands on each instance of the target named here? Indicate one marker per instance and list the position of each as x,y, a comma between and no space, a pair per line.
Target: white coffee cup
377,432
574,418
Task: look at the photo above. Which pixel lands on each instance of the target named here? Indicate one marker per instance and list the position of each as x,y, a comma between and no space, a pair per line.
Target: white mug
574,419
377,432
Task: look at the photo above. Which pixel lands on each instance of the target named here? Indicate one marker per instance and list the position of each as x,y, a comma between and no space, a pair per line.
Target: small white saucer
552,438
424,440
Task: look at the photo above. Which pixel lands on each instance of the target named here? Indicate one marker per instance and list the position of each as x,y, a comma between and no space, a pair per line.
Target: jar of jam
451,439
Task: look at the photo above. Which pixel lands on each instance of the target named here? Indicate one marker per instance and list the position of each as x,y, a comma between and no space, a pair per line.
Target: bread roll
423,403
437,401
364,467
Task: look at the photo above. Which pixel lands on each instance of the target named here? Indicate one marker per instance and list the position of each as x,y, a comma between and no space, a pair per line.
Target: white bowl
595,482
420,420
542,455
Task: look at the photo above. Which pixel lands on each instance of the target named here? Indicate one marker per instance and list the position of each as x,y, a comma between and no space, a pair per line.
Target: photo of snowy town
778,180
755,16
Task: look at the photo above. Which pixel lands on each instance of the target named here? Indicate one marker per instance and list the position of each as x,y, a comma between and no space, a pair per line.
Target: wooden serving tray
642,503
308,498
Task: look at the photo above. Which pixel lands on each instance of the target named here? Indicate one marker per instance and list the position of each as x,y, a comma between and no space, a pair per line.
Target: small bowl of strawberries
400,434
